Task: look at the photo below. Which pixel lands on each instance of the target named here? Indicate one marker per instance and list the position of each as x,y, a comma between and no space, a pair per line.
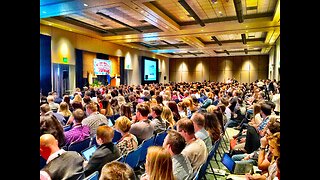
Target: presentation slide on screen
101,66
150,73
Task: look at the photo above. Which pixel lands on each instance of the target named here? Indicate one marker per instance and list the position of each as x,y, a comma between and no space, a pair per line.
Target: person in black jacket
106,151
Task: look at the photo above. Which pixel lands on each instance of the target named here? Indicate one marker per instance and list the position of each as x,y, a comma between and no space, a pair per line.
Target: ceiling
172,28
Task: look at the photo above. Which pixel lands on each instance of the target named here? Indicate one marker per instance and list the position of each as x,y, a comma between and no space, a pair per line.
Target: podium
115,81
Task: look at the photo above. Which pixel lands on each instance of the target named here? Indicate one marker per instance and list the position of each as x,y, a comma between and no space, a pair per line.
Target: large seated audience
195,116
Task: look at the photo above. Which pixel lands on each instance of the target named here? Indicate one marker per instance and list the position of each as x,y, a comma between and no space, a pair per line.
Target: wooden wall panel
198,76
263,63
242,68
237,61
244,76
221,64
228,74
253,76
254,63
229,64
220,76
213,64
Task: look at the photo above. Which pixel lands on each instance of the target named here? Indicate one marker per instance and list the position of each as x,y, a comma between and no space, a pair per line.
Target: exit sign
65,59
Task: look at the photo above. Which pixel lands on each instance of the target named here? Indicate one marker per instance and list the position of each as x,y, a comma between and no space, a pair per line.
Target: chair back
80,145
117,136
67,128
144,147
93,141
121,158
43,162
160,138
133,157
93,176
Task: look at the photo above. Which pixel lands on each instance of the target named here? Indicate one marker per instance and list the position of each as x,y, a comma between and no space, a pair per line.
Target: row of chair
137,157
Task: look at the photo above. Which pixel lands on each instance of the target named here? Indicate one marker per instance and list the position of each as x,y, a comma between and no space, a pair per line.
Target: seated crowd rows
195,116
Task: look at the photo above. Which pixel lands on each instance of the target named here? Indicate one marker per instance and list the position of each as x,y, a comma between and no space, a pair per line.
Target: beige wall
242,68
64,44
274,61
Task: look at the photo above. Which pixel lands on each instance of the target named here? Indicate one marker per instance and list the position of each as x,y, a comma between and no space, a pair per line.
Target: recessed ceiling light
220,12
201,29
85,4
50,24
142,11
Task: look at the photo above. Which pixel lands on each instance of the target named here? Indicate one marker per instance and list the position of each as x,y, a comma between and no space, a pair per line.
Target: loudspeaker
146,77
164,77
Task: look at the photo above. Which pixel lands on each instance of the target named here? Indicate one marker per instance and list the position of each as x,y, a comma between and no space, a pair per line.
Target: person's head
181,106
256,108
186,128
143,111
91,107
77,98
265,110
167,115
159,163
44,108
49,124
212,125
125,110
198,121
48,145
156,110
174,108
104,134
211,108
116,170
174,142
123,124
78,115
63,107
50,99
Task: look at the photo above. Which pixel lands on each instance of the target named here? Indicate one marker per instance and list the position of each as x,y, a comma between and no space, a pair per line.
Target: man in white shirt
196,149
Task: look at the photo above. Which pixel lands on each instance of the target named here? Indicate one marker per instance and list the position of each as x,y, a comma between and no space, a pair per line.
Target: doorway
61,81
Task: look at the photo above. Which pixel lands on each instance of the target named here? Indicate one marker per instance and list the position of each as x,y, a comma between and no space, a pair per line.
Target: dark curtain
45,64
122,70
80,82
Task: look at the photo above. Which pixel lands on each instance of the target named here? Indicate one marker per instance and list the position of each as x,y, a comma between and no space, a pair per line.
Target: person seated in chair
106,151
60,164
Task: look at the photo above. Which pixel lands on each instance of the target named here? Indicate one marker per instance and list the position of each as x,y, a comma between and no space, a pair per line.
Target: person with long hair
174,108
167,116
212,126
158,164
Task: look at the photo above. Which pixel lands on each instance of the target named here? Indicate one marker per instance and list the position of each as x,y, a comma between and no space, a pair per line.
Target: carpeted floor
224,147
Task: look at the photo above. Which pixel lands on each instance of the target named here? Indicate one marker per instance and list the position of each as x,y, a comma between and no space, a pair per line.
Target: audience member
195,150
158,164
117,171
45,110
175,143
94,118
200,132
157,123
49,124
60,164
141,126
128,141
106,151
78,132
